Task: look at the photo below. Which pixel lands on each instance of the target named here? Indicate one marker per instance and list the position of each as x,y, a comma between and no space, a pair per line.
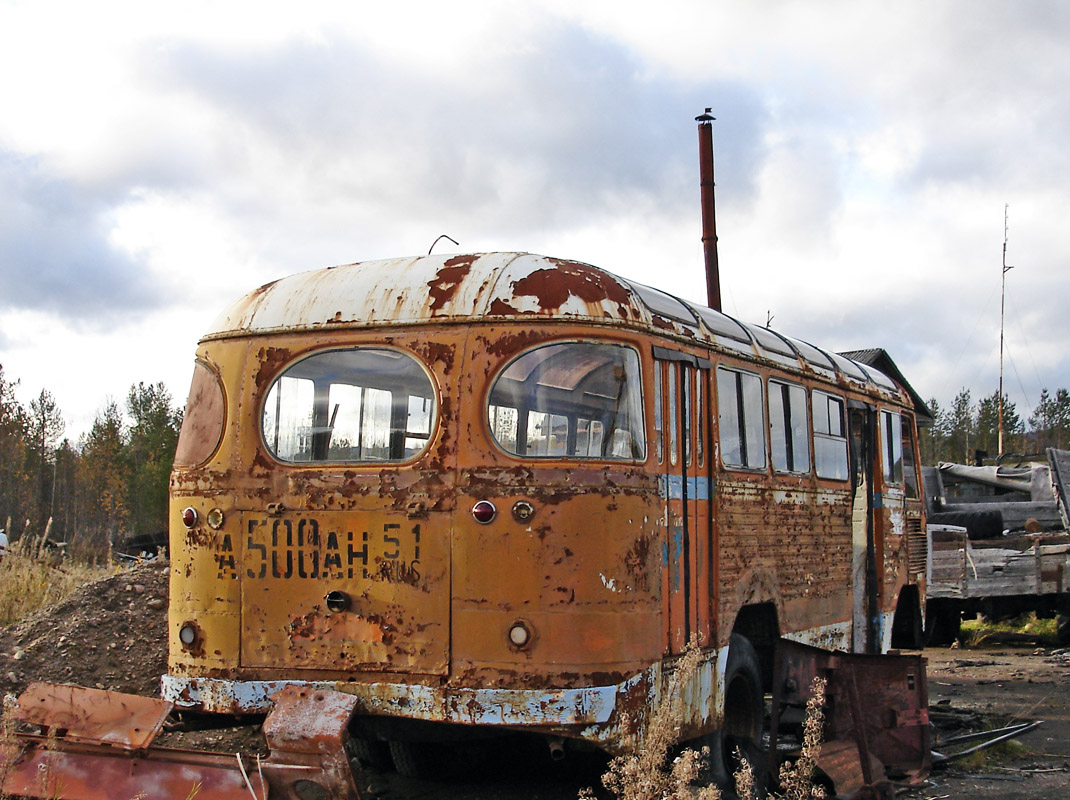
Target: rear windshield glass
570,400
360,405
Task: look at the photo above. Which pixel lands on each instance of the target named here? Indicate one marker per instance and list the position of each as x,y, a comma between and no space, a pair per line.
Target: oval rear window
202,423
362,405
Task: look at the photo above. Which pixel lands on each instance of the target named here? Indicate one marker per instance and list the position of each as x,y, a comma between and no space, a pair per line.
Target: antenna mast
1002,304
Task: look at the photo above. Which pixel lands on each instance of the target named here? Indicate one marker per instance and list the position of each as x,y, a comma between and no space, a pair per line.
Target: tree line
966,430
110,484
113,482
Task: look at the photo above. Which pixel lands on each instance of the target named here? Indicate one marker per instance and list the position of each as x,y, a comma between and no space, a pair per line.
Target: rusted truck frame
999,573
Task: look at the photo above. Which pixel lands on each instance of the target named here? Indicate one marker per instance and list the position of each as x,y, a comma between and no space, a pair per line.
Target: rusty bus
504,491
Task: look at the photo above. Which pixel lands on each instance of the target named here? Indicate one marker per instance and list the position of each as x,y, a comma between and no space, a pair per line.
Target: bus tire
943,622
370,753
744,716
411,759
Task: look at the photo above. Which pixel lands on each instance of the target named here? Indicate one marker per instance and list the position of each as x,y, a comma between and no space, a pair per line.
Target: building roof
878,357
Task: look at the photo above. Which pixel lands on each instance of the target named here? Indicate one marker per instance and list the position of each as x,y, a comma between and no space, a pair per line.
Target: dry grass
797,779
31,579
642,773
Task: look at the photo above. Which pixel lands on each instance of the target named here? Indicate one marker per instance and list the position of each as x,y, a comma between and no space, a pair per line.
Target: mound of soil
109,634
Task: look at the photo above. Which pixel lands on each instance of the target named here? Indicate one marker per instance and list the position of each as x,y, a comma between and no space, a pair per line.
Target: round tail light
484,512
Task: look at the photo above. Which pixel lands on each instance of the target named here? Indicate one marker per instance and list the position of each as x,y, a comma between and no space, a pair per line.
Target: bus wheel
411,759
370,753
943,621
744,714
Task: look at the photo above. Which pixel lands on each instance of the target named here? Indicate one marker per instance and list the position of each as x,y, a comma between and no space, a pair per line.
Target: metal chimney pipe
709,216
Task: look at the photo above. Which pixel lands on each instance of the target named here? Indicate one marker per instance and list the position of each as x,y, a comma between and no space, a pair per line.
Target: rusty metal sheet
47,769
876,707
307,720
306,733
841,762
93,716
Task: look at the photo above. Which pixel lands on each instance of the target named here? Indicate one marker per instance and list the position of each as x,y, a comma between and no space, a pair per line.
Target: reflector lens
189,517
484,512
523,510
187,634
519,635
215,518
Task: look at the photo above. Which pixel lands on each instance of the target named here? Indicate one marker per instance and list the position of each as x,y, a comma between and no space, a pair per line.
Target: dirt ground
1007,685
112,635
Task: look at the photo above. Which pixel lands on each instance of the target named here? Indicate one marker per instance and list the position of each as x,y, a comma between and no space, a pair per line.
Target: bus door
685,482
865,609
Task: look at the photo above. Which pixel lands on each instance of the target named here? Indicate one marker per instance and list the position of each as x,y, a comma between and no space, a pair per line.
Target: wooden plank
1060,478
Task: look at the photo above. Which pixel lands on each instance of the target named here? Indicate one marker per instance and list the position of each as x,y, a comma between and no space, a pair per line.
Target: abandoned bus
505,490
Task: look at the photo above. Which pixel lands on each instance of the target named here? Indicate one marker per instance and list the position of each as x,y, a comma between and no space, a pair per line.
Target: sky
158,160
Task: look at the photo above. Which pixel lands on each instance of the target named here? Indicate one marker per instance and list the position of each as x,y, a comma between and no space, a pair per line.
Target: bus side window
892,447
570,400
910,467
741,417
659,415
672,369
700,415
789,432
830,438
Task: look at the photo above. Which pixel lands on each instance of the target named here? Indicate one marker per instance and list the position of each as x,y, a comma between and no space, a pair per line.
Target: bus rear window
575,400
359,405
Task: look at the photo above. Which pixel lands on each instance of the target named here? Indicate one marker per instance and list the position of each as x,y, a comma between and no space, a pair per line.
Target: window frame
790,443
841,439
891,443
429,438
742,420
573,419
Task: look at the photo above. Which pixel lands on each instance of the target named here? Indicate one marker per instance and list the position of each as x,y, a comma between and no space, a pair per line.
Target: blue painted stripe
671,487
878,500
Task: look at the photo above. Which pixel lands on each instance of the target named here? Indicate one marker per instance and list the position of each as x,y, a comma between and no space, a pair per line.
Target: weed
28,580
640,774
796,780
977,632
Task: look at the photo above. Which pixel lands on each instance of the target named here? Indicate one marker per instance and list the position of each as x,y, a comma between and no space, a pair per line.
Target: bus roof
509,286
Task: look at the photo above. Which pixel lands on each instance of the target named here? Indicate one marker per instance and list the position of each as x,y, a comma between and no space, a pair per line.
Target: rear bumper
514,708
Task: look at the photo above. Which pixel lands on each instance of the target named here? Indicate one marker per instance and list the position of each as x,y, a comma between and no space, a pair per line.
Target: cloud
56,255
566,130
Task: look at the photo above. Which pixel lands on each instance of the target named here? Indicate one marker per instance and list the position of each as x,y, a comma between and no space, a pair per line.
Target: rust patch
270,358
199,537
553,287
509,343
636,561
445,284
500,308
433,352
